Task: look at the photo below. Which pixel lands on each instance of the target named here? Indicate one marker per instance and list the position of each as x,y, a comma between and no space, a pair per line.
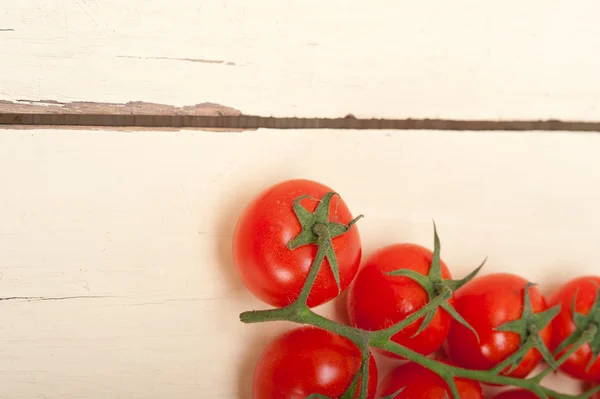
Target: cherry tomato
487,302
516,394
563,325
596,395
587,385
307,361
276,274
422,383
376,300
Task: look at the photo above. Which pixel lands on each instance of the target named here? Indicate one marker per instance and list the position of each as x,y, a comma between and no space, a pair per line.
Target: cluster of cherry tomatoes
308,360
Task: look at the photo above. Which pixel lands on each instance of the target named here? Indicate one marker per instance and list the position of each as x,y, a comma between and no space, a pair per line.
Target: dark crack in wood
28,114
247,122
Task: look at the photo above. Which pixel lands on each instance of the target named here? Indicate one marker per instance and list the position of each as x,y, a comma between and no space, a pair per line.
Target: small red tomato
272,271
421,383
586,289
516,394
307,361
589,385
377,300
487,302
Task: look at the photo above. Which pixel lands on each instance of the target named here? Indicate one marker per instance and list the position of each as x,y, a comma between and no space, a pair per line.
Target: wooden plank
415,59
118,243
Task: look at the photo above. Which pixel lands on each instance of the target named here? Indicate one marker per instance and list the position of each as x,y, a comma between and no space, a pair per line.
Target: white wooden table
115,270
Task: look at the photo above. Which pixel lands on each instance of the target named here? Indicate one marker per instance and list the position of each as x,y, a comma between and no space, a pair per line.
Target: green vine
318,230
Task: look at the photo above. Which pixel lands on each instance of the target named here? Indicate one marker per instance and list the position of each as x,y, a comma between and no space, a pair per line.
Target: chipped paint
47,114
97,108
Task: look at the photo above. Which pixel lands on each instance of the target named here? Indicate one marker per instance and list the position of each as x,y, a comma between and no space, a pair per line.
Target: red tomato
422,383
589,385
516,394
377,300
307,361
276,274
487,302
563,325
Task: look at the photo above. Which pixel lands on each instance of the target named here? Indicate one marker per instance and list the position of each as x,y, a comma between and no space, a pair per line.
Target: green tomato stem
364,387
299,312
361,337
290,312
388,333
519,354
324,243
585,338
588,394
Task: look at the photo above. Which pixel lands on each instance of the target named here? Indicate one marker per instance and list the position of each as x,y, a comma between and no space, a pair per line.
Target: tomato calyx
528,327
439,290
362,371
398,392
586,329
317,229
351,391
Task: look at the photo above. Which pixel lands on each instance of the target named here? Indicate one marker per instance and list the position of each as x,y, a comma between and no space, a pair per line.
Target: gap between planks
208,116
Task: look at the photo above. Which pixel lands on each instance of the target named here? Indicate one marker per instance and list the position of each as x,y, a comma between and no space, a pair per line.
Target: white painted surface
143,220
393,59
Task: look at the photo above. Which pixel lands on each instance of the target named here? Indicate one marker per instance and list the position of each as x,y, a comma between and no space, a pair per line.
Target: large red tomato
586,288
276,274
487,302
421,383
516,394
377,300
307,361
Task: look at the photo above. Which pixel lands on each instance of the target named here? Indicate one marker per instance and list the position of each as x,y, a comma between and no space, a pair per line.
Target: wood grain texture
115,263
385,59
